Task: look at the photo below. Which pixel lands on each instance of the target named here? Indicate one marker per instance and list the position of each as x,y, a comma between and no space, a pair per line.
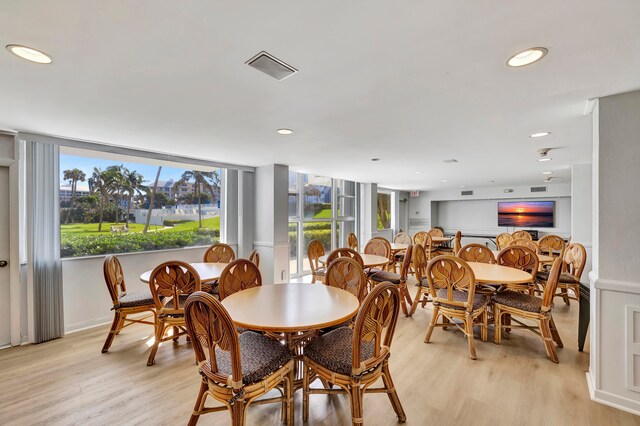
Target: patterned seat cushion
259,356
479,301
382,276
515,299
334,350
564,277
136,298
423,283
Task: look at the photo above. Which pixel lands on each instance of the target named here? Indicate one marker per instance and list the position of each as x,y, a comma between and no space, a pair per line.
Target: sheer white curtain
44,241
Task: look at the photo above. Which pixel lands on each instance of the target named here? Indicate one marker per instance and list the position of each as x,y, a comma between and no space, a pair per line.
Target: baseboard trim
611,400
85,325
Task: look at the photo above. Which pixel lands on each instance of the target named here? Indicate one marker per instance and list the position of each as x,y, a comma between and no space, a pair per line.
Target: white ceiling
411,82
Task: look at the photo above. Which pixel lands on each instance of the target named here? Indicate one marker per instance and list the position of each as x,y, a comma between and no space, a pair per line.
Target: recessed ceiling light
547,173
460,186
285,131
540,135
526,57
418,173
375,159
30,54
443,181
541,159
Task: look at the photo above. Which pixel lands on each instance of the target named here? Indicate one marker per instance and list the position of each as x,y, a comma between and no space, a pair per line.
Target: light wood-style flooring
68,381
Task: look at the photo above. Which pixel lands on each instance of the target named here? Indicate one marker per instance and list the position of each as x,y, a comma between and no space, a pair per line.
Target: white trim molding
615,311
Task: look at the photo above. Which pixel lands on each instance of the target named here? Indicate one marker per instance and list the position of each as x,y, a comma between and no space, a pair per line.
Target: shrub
93,245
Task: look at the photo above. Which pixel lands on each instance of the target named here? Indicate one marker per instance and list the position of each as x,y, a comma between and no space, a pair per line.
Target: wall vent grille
538,189
271,66
466,192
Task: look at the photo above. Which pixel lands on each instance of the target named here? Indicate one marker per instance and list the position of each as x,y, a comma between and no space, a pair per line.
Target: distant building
65,193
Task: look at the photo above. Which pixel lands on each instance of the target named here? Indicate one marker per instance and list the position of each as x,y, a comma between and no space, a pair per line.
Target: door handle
3,263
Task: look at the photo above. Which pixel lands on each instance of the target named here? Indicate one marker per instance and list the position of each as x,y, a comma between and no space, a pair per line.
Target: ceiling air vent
466,192
271,65
538,189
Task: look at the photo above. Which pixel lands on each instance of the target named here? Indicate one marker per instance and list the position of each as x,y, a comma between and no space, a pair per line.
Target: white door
5,316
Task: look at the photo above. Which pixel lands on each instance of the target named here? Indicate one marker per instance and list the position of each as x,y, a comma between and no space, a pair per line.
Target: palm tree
203,181
132,185
99,185
152,195
116,183
73,176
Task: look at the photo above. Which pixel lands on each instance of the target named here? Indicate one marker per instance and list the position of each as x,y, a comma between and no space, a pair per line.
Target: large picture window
123,205
320,208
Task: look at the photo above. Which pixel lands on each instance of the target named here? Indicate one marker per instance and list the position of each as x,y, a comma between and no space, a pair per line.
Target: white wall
614,375
481,216
86,298
581,211
477,214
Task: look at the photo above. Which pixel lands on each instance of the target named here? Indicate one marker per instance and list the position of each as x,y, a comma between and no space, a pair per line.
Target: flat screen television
526,214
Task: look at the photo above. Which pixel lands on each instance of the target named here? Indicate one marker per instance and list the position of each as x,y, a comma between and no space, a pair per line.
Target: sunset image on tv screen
526,214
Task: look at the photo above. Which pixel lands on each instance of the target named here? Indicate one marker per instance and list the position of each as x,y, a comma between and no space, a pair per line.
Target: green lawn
323,214
92,228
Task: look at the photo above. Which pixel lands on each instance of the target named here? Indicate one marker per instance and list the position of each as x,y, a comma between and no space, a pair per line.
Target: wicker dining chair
521,234
219,252
344,252
503,240
379,247
523,242
352,241
398,279
402,238
452,287
436,232
347,274
420,238
522,258
453,250
235,369
124,302
552,245
398,257
419,263
238,275
315,250
476,253
170,284
354,359
510,304
254,256
575,259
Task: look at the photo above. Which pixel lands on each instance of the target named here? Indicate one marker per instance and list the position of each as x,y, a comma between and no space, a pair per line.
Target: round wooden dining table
291,307
369,260
498,274
440,240
396,247
292,313
207,271
542,258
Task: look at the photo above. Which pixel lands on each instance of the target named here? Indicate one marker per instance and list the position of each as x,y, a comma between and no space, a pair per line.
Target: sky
86,164
526,206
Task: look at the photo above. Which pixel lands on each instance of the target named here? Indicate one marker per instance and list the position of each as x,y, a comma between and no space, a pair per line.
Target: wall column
614,376
368,213
581,214
271,222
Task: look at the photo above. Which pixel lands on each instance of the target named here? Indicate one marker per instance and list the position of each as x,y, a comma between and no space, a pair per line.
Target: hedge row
93,245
